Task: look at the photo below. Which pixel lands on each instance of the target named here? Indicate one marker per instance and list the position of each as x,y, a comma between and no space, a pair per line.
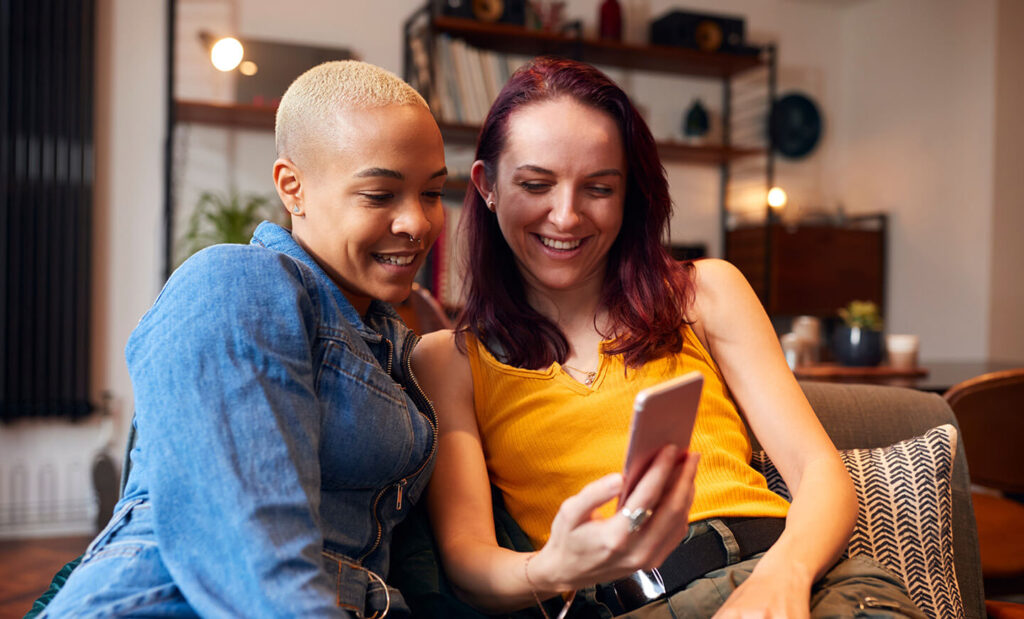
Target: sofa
862,420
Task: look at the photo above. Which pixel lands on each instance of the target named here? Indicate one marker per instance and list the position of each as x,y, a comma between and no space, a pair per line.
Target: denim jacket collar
273,236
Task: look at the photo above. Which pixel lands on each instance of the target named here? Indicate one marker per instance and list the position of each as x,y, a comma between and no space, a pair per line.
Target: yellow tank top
545,435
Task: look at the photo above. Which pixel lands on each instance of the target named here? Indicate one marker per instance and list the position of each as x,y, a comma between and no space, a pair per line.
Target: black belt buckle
627,594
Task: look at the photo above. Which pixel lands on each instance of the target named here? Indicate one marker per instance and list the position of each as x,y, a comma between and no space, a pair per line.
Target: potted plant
226,218
858,341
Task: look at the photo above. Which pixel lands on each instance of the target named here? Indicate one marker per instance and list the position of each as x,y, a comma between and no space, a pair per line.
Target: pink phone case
662,414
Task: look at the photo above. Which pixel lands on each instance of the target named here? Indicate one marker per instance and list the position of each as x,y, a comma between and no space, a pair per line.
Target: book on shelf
447,85
448,263
421,77
468,79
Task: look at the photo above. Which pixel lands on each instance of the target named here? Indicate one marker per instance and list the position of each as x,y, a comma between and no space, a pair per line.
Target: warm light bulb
226,53
777,197
248,67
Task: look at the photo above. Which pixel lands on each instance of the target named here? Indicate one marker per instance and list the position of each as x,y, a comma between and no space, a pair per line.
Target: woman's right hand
583,550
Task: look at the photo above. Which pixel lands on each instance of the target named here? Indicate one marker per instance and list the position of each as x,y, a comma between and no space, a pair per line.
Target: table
933,376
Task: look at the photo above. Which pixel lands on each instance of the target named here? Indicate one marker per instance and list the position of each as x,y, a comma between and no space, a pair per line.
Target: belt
690,560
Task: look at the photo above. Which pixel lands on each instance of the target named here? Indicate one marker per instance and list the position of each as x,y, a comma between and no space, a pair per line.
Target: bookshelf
516,40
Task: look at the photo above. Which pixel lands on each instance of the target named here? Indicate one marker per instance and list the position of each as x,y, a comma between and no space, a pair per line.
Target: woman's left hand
778,591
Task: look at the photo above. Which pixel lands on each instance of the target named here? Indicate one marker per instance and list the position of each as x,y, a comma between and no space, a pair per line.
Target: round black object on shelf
795,125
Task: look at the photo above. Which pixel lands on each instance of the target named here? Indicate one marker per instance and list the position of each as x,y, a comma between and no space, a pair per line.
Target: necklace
588,377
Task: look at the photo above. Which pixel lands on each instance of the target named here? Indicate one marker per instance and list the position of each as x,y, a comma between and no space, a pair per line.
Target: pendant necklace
588,377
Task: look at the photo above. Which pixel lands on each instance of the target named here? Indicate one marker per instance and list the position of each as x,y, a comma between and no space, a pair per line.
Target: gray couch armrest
866,416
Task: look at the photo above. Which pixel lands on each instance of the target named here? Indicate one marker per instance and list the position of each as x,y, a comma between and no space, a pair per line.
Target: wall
1006,329
915,139
45,466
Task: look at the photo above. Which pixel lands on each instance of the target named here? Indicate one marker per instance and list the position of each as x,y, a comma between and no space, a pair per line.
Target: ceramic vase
857,346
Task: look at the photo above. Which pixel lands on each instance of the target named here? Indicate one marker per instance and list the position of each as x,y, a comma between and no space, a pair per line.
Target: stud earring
490,205
295,208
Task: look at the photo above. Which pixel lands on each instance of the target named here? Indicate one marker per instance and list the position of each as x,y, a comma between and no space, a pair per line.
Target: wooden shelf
704,155
670,151
237,115
261,117
513,39
833,371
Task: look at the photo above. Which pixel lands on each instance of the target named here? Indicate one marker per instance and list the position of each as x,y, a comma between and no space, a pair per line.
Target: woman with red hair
573,307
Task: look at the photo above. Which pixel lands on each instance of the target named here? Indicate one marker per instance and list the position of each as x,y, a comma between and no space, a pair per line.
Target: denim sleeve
229,435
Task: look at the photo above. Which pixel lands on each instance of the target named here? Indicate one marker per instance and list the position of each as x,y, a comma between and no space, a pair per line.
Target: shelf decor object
858,341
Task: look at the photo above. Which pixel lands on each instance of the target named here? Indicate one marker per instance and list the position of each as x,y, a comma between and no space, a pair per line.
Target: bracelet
533,588
536,598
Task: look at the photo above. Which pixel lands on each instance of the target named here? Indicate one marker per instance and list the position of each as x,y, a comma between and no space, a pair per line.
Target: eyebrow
372,172
540,170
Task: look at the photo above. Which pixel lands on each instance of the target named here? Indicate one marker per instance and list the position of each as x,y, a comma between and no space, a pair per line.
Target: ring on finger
636,517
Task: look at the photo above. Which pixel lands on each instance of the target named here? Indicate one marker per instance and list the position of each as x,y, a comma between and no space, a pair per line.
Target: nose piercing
413,239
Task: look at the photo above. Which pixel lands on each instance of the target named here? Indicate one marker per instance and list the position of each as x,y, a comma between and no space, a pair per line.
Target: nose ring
412,239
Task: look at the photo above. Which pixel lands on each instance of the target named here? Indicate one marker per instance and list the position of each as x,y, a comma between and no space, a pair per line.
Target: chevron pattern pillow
905,520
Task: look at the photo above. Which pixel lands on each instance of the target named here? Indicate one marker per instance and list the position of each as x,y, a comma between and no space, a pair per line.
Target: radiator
46,486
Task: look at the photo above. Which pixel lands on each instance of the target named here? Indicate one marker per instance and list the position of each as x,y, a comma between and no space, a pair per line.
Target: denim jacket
280,439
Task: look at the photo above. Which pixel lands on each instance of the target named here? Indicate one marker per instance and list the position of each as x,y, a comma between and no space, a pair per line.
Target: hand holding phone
663,414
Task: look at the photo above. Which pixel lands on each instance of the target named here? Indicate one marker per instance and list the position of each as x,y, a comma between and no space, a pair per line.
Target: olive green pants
856,587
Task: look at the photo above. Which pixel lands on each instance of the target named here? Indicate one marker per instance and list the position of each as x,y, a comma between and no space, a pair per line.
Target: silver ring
636,517
412,239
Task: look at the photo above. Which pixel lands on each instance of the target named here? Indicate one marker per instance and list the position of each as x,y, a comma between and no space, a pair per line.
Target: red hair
645,290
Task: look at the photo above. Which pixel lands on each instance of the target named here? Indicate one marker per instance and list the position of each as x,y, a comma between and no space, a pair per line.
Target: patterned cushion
906,513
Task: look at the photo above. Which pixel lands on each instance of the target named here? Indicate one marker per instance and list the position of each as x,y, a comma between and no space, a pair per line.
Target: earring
490,205
295,208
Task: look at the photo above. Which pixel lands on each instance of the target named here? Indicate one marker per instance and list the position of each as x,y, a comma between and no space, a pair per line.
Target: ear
483,186
288,182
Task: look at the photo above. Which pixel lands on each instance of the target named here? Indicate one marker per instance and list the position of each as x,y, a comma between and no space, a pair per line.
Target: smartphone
662,414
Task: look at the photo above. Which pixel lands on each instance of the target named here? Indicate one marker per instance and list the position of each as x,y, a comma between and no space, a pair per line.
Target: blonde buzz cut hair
307,114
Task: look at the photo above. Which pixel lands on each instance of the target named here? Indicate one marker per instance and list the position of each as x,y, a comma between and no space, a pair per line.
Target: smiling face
369,200
561,185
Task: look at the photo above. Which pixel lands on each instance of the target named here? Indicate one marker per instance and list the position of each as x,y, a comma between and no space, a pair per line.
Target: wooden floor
27,566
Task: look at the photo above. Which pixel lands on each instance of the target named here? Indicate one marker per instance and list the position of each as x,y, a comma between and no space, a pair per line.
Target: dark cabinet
812,269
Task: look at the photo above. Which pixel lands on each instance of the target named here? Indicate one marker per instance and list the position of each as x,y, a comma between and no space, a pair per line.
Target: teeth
396,260
553,244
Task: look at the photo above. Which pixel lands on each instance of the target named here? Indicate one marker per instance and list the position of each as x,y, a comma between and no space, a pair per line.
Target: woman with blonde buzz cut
280,433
